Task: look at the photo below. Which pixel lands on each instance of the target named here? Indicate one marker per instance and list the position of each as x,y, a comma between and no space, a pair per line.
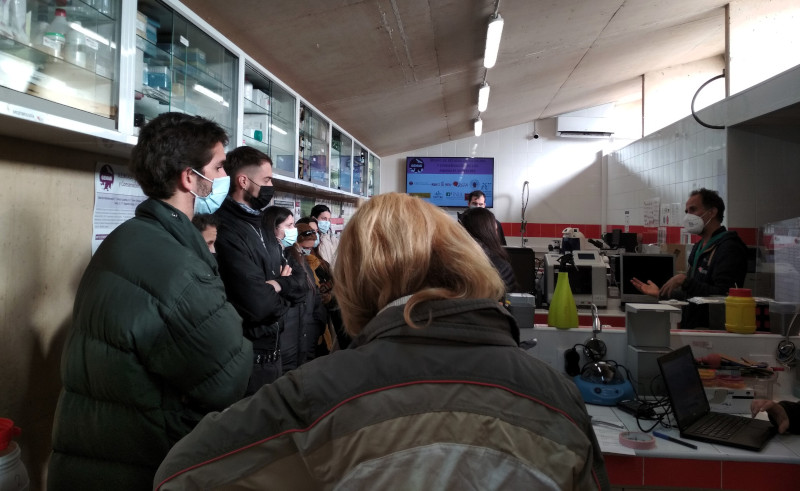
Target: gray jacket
455,404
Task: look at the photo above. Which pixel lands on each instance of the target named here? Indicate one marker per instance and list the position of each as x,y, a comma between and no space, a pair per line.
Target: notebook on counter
695,419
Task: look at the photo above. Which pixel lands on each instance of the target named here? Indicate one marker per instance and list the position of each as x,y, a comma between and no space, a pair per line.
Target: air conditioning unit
595,122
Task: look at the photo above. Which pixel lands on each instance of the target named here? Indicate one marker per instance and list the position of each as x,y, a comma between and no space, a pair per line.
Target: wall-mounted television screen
446,181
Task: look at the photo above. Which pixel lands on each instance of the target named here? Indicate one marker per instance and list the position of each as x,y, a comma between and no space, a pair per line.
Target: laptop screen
685,389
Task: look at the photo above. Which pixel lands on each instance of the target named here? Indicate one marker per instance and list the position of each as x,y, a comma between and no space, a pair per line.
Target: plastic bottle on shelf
13,475
56,35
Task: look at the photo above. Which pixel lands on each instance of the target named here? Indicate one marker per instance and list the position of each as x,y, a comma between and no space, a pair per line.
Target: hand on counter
776,412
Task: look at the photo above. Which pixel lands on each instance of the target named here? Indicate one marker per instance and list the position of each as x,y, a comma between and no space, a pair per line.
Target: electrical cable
786,352
694,114
523,223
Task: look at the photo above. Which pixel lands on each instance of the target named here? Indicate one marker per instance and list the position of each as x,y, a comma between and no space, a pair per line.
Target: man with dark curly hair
154,344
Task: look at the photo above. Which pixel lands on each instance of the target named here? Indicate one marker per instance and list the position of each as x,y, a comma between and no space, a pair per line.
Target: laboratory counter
668,464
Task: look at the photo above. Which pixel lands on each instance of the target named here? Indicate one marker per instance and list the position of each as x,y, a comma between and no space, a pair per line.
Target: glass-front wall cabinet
341,160
181,68
359,170
64,51
374,175
268,123
313,162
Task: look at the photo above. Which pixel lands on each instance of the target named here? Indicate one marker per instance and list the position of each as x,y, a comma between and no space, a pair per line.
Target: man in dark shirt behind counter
477,199
717,262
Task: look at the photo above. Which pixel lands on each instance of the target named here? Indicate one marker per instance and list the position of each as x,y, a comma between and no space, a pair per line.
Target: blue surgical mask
324,226
316,241
304,251
211,203
289,238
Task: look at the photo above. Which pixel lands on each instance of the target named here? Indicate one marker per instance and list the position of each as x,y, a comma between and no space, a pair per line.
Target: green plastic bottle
563,313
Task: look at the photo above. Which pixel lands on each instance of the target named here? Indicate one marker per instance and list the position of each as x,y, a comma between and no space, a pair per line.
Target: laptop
695,419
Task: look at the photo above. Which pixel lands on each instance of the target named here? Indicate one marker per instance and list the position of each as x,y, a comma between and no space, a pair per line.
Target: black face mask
262,200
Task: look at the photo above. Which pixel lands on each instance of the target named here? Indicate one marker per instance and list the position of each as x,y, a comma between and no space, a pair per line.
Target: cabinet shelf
122,63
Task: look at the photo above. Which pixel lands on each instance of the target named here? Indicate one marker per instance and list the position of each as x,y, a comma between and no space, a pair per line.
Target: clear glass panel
66,54
359,170
374,175
282,130
341,157
313,162
346,164
255,126
268,120
182,69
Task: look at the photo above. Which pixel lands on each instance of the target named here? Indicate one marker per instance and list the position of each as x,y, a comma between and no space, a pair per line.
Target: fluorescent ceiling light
483,97
277,129
208,93
478,126
89,33
493,41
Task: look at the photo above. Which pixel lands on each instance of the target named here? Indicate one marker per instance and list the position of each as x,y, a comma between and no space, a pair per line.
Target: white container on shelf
56,35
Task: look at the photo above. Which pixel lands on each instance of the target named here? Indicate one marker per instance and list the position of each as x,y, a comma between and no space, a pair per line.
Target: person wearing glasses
308,241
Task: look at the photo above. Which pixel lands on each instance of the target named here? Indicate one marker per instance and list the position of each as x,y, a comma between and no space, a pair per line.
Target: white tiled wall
668,165
564,174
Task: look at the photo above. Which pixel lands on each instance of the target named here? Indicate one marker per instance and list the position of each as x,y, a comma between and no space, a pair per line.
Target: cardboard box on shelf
679,251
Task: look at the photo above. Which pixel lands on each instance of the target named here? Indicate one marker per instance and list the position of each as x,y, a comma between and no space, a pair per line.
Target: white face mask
211,203
324,226
694,224
290,237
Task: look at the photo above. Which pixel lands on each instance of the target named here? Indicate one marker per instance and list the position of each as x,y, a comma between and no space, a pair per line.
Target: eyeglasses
307,233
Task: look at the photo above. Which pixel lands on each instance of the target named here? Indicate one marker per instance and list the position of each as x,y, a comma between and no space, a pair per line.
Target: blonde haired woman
433,393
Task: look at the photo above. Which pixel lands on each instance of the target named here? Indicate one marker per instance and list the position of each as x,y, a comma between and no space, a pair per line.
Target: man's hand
672,284
648,288
774,410
286,270
275,285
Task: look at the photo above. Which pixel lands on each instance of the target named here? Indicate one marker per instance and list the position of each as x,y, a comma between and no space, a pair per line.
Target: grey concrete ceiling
404,74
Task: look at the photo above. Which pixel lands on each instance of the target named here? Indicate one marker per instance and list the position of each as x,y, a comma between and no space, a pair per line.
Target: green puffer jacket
154,346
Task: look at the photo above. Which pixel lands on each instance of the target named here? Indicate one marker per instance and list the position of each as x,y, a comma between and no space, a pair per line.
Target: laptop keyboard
721,426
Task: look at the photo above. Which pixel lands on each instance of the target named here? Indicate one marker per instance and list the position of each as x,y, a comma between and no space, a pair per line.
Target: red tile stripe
649,234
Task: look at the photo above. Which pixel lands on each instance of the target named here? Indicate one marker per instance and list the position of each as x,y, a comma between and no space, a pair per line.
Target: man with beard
258,280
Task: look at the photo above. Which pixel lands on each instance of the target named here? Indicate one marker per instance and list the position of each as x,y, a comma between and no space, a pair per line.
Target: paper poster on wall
666,215
651,212
116,196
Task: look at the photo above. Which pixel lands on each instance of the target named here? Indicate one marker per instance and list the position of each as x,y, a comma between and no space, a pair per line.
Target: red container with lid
7,432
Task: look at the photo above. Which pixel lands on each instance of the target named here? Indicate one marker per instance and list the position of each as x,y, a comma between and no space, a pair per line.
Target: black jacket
503,268
248,256
720,267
